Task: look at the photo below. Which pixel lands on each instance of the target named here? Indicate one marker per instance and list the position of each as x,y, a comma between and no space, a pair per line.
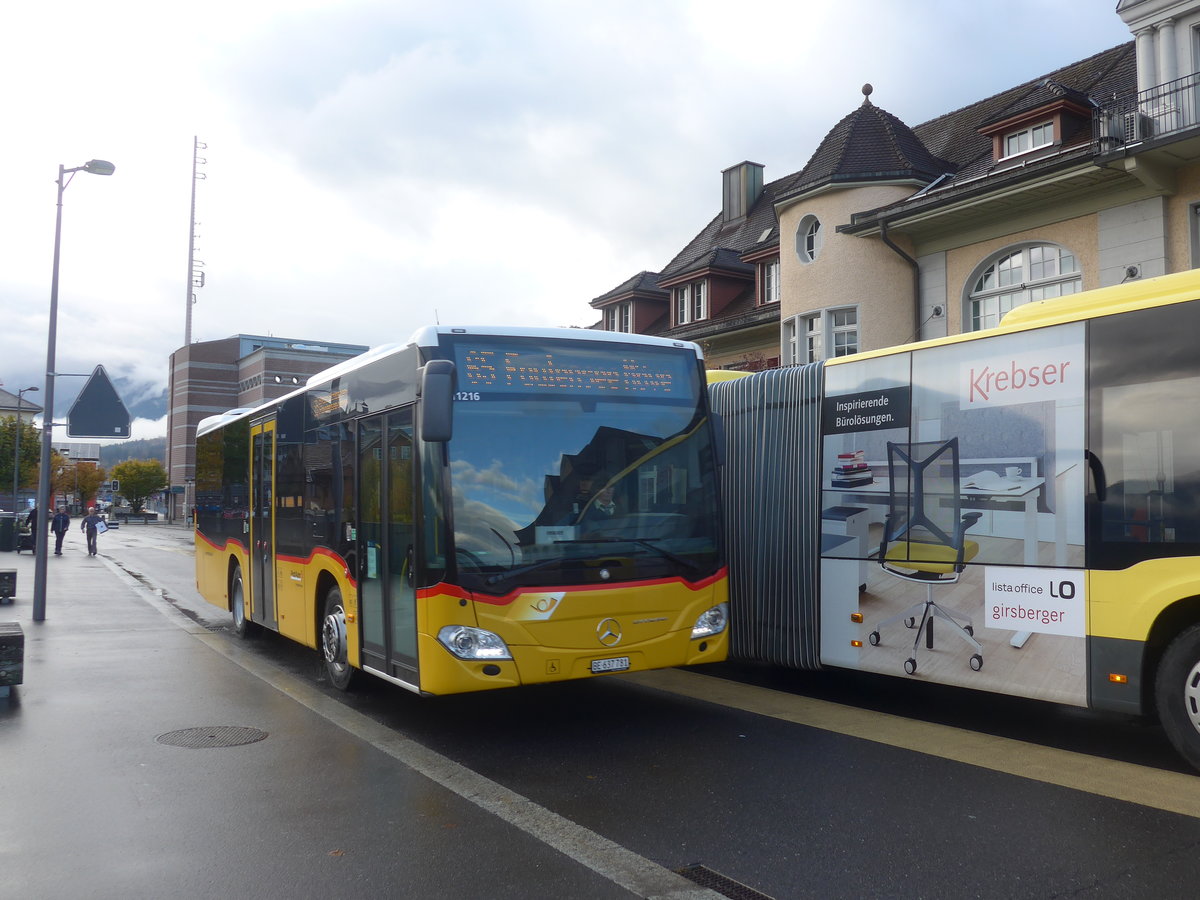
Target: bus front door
386,532
262,524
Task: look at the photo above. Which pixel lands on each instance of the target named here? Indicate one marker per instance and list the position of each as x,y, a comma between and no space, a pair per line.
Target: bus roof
429,337
1119,298
208,423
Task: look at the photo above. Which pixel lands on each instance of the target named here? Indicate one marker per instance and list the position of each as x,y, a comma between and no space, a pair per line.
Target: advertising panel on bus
959,471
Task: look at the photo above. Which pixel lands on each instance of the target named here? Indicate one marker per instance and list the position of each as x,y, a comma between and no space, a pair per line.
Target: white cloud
372,165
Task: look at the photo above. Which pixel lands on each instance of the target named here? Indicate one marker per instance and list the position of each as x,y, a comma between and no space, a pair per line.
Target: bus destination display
572,370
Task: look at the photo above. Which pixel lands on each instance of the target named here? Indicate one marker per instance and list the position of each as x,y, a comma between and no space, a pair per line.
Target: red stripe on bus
223,547
452,590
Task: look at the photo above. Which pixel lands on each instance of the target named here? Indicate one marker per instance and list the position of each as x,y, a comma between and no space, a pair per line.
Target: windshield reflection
552,490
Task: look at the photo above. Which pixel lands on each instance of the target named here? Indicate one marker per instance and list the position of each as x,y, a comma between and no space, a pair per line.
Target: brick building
210,377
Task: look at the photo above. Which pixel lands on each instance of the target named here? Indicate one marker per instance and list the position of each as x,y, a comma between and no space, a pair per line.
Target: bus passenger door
386,534
262,524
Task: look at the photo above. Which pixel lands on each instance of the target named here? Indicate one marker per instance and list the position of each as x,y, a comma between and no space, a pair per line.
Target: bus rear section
1014,510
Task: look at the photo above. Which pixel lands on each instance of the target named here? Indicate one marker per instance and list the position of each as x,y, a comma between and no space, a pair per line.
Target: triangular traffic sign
98,412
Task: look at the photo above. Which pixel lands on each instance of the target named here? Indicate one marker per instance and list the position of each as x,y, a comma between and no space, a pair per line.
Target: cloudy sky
374,166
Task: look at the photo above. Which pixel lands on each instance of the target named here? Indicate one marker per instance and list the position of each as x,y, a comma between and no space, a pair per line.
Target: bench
127,517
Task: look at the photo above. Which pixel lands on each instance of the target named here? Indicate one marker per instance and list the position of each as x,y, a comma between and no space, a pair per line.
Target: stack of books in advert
851,470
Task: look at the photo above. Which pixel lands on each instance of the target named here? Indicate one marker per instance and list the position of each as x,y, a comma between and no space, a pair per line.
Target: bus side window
1145,429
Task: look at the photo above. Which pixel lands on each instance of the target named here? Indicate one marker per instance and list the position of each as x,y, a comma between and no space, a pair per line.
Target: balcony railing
1155,113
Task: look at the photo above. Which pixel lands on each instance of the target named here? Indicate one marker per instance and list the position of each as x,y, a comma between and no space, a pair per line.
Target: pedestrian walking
92,525
31,520
60,524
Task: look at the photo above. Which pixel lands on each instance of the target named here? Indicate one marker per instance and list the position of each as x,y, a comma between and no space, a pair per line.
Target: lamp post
17,450
95,167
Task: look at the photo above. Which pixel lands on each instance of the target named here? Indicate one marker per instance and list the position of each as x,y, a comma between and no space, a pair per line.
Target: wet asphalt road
789,810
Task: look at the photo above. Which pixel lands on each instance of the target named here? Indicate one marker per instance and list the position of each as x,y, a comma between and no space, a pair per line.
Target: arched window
1033,272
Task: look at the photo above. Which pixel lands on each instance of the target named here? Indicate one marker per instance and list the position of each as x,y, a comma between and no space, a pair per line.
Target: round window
808,239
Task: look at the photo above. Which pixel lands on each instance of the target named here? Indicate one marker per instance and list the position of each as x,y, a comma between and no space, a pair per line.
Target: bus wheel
333,641
242,626
1177,694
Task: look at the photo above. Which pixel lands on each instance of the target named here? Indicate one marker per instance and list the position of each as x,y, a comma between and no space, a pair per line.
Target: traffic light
116,486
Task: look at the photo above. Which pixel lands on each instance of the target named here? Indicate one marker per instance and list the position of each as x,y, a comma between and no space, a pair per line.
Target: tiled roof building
1086,176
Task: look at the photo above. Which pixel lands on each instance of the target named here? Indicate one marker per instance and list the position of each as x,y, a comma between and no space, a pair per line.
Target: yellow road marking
1169,791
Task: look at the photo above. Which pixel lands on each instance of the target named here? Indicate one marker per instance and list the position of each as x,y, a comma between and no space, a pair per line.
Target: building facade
722,290
9,406
211,377
1082,178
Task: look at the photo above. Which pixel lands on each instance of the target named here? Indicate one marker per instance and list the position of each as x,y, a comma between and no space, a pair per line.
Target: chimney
740,187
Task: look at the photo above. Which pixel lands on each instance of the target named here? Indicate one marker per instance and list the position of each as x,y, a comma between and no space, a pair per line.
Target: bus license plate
616,664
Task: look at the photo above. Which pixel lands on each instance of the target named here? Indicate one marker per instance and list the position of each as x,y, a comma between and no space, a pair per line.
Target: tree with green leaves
137,479
31,452
79,478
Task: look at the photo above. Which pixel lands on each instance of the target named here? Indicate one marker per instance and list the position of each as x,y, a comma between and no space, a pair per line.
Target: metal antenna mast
195,266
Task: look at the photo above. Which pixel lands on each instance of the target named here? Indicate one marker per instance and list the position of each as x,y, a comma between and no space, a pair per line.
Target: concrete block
12,654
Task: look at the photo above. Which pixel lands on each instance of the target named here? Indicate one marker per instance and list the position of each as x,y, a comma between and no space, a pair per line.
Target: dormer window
1031,138
1043,128
619,317
691,302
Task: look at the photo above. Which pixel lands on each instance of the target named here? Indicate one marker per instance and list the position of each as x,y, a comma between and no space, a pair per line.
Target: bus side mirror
437,401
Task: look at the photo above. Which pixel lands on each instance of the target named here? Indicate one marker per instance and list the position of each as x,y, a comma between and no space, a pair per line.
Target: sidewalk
95,804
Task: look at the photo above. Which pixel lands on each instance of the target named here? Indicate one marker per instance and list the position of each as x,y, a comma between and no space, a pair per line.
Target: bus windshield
574,490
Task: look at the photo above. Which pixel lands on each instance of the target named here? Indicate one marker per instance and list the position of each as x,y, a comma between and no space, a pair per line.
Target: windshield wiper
641,542
521,570
543,563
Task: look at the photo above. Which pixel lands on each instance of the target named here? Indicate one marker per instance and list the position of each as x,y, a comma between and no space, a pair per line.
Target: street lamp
95,167
17,450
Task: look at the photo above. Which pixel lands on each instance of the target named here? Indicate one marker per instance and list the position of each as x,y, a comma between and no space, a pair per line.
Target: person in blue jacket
60,524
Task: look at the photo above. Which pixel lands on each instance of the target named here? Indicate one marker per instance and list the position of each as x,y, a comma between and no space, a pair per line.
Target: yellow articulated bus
477,508
1013,510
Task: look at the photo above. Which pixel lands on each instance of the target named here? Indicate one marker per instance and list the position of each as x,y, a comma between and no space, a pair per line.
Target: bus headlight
473,643
712,621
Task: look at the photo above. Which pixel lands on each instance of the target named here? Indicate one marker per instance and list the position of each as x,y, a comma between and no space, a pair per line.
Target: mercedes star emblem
609,632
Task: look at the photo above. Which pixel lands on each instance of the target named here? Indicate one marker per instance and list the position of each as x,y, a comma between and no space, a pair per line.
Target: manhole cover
722,884
211,736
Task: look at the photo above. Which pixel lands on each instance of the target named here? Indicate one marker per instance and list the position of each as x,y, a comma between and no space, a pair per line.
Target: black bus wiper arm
641,542
521,570
543,563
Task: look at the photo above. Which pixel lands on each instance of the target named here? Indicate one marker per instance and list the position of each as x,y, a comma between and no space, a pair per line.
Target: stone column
1147,65
1168,65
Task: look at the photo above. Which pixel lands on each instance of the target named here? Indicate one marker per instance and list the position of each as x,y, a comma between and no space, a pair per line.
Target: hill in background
148,448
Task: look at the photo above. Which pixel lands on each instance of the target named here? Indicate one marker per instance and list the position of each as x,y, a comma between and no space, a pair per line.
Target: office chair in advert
924,538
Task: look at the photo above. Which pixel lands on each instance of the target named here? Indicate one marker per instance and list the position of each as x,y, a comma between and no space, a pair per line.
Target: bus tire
242,626
1177,694
333,641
